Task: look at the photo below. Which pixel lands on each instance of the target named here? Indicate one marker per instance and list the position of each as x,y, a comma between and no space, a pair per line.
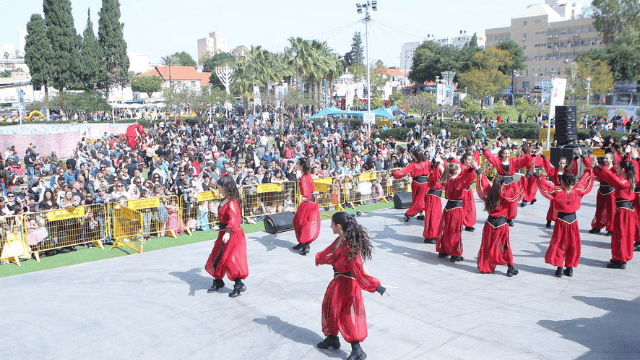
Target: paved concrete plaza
155,305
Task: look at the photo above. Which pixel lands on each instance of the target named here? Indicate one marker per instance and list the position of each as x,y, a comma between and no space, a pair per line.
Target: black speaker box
278,223
402,200
558,152
565,112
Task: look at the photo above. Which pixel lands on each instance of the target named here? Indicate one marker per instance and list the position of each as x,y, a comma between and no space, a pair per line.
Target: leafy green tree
65,42
599,111
91,57
114,48
471,107
219,59
424,104
396,98
147,84
184,59
376,101
84,103
357,50
623,55
431,59
517,57
39,54
613,17
485,79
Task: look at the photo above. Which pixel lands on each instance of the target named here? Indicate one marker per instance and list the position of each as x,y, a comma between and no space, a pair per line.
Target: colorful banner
264,188
207,195
557,97
144,203
68,213
322,188
328,181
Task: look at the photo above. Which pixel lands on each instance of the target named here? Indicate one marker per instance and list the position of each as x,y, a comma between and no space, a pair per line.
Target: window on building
578,30
525,22
564,31
571,30
193,84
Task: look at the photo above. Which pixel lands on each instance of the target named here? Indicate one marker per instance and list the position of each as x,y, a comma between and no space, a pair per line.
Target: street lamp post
374,6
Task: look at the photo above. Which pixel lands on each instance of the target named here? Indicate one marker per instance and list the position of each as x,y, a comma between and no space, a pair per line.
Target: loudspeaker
402,200
566,125
278,223
558,152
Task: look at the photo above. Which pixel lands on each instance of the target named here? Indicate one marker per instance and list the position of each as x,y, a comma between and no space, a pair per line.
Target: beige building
551,35
214,43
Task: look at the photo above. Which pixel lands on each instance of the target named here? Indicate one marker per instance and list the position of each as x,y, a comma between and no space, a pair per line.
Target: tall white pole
366,32
549,117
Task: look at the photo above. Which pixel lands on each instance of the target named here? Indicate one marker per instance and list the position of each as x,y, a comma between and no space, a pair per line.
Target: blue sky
161,27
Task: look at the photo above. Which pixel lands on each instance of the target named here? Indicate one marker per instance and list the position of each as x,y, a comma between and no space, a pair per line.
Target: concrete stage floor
155,305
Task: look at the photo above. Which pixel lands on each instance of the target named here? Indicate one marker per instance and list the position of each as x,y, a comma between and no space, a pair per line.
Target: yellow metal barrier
395,186
160,216
67,227
200,211
127,227
266,199
327,194
13,243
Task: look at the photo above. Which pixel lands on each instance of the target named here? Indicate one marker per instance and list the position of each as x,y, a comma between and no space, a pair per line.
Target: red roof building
180,76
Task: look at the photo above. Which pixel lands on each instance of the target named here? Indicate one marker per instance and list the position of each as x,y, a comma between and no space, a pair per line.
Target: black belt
468,188
566,217
421,179
624,204
222,226
508,179
497,222
453,204
337,273
435,192
637,190
605,189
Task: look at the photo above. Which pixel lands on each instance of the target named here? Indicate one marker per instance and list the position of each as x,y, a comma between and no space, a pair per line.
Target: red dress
515,164
449,240
306,222
496,247
419,186
432,203
636,200
532,186
343,307
554,176
605,206
624,230
468,202
230,259
565,246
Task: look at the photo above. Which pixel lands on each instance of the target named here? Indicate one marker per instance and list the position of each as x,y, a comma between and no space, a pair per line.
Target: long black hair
629,173
418,154
304,164
229,185
493,197
355,235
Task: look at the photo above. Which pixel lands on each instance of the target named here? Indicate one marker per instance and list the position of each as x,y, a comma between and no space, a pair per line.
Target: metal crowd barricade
266,199
160,216
13,240
394,186
127,227
67,227
200,212
327,194
366,188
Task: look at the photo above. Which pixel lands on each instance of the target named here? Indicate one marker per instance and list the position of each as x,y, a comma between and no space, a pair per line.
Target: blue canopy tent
327,112
395,110
380,113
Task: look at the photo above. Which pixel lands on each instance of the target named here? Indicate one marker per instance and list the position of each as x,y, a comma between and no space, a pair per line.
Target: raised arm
520,162
491,159
547,189
404,172
606,175
482,187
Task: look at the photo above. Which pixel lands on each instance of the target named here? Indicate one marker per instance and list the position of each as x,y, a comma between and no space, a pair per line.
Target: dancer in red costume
624,229
432,202
636,201
532,186
343,307
449,241
306,222
566,196
132,134
229,254
555,173
419,171
496,247
605,202
507,167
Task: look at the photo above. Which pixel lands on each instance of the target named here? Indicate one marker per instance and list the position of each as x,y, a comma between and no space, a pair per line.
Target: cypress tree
65,42
38,54
91,58
114,48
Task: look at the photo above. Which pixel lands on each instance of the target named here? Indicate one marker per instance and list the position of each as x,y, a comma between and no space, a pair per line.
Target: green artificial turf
83,254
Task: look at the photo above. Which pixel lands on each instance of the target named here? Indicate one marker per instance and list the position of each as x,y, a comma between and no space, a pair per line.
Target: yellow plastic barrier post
127,228
13,244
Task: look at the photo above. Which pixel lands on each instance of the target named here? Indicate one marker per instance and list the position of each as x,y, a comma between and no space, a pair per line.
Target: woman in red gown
496,247
449,241
343,307
565,246
624,229
605,202
532,186
555,173
432,202
507,167
306,222
419,171
468,201
229,254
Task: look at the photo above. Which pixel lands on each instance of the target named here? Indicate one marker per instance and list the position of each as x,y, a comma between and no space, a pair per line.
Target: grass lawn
83,254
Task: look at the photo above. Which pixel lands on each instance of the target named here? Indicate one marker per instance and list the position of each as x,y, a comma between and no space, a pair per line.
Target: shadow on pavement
597,244
271,242
194,279
299,335
611,336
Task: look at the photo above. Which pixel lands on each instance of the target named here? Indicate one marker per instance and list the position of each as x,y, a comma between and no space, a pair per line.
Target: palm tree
168,61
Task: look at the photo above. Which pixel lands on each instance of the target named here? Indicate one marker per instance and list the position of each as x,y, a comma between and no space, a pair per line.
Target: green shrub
397,133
